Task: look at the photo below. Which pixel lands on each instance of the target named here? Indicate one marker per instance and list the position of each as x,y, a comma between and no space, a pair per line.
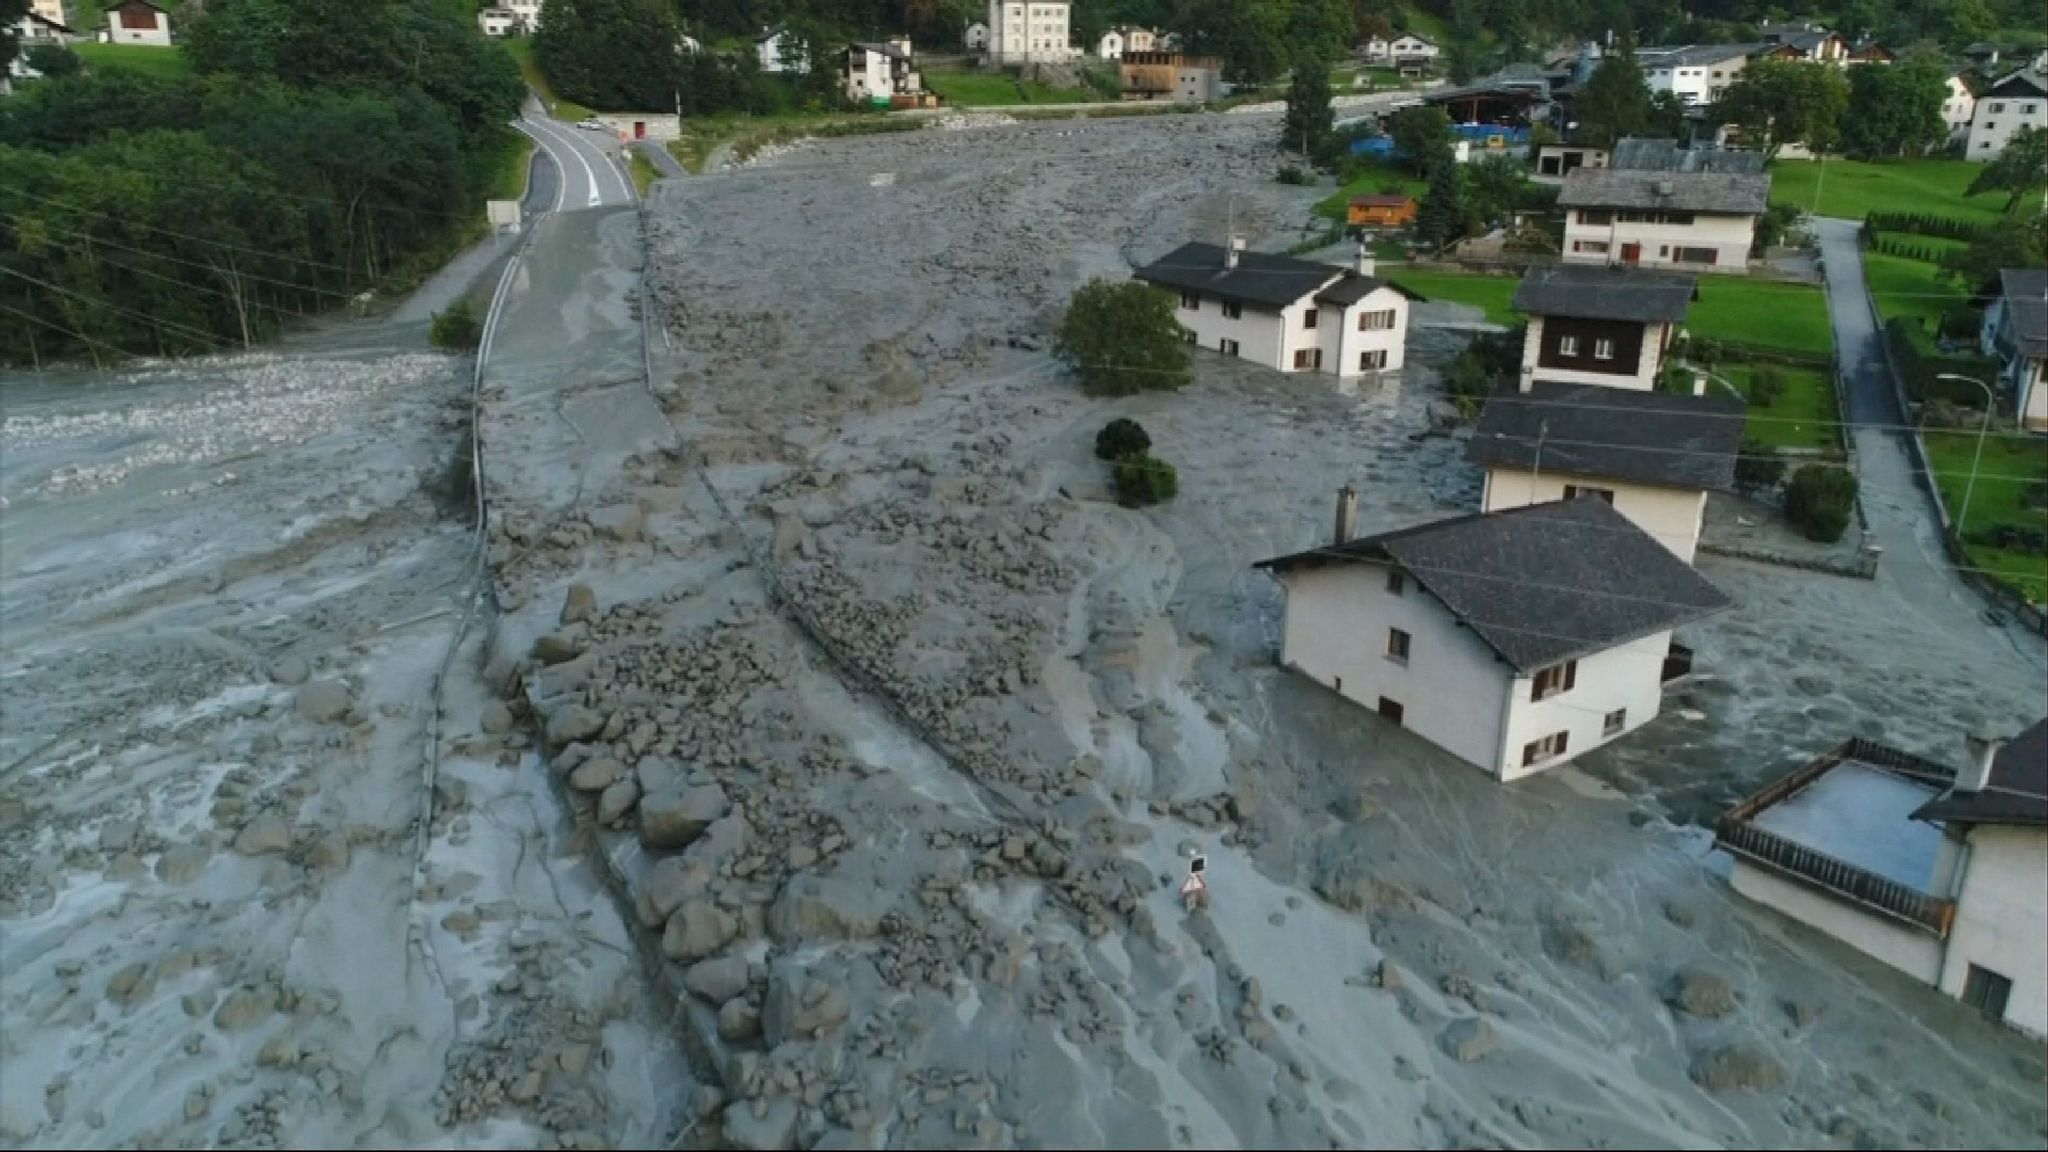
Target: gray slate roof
1694,55
1725,193
1353,288
1259,278
889,50
1605,292
2026,308
1539,585
2016,793
1655,154
2025,82
1599,432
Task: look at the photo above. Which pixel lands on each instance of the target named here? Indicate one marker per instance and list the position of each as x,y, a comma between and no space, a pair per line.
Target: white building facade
497,21
138,22
1030,32
1672,516
975,39
1696,73
1290,315
873,73
2015,333
775,53
1656,237
1958,106
2017,101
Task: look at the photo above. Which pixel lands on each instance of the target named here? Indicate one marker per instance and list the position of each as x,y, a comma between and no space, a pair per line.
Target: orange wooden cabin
1381,211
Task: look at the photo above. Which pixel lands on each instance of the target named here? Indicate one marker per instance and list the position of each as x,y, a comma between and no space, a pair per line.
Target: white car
594,124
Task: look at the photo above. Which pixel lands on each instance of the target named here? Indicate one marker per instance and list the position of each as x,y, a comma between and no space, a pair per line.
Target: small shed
1391,211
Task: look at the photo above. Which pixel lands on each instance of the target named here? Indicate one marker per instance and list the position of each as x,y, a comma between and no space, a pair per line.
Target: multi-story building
1696,73
877,73
1029,32
1958,105
2016,101
1659,205
1170,76
1608,326
2015,331
1289,314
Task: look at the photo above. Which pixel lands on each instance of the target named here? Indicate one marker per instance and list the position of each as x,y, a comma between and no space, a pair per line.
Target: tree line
319,148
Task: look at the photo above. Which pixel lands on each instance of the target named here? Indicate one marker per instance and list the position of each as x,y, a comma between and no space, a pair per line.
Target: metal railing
1734,833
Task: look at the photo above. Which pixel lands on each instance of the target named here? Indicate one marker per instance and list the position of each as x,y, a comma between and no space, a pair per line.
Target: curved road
590,176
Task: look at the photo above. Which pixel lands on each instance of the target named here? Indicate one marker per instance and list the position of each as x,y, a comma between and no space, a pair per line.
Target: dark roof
2025,82
1593,430
1259,278
2026,308
1655,154
46,22
1540,584
1505,92
1353,288
1389,200
1605,292
145,3
1693,55
2016,793
889,50
1728,193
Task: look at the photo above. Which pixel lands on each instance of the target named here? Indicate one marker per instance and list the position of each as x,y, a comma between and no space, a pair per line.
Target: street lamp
1983,426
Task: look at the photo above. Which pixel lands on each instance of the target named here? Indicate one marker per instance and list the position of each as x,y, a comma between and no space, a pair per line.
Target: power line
154,255
79,336
104,302
180,235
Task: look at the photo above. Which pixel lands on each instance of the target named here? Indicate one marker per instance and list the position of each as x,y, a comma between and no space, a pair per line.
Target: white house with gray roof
2012,102
1701,217
1292,315
1513,640
1696,73
2015,332
1603,325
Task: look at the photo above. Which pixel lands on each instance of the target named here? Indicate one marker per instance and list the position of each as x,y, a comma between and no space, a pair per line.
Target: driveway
1903,520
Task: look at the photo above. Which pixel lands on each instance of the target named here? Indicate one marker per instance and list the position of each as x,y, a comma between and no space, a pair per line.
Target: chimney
1365,263
1977,773
1232,251
1347,513
1664,188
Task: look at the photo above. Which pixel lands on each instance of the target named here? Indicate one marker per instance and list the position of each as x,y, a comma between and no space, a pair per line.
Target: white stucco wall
867,76
2001,920
2032,385
1914,952
1996,118
1957,107
1695,83
1671,515
1629,678
1729,237
1029,32
159,36
1342,342
1644,378
1452,690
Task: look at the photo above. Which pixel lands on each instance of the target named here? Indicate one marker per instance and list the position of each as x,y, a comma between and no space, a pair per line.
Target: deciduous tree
1121,338
1895,110
2019,169
1307,125
1616,101
1780,102
1422,135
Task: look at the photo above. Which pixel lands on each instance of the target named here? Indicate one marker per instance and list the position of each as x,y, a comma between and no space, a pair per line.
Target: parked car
594,124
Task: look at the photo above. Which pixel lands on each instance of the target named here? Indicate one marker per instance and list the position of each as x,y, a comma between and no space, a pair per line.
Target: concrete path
1903,519
663,160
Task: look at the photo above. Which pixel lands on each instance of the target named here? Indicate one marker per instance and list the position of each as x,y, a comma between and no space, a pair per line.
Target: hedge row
1921,224
1921,368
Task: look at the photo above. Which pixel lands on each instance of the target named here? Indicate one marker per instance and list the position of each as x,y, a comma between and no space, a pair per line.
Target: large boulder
571,723
676,819
672,880
579,604
266,834
620,522
800,1005
1737,1067
697,929
828,907
560,646
717,980
597,774
761,1125
323,701
1468,1039
1700,992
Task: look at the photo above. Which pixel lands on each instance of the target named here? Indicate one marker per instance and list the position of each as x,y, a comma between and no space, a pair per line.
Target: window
1192,301
1614,723
1397,646
1376,321
1397,584
1567,345
2027,108
1304,358
1227,347
1990,124
1548,748
1574,491
1595,216
1232,310
1603,348
1698,256
1390,710
1308,318
143,18
1555,680
1594,246
1986,991
1998,106
1373,360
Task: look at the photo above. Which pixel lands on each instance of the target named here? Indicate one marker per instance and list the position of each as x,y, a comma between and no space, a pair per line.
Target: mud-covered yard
899,728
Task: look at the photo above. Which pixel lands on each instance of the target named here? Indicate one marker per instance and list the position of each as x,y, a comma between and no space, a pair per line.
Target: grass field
1766,314
984,89
1373,179
746,135
508,167
1996,500
1803,416
1492,293
1854,188
133,58
1911,288
644,172
521,48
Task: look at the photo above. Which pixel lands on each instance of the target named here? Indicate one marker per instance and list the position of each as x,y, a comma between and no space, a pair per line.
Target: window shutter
1571,675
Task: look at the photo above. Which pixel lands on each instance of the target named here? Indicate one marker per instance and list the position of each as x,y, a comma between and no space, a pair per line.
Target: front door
1631,253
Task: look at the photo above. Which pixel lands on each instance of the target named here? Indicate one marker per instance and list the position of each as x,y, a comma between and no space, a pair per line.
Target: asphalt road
590,175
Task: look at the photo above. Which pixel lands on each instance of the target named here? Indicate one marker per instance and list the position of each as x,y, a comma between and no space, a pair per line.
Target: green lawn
1492,293
982,89
1911,288
521,48
1371,180
508,166
1995,500
133,58
1766,314
1803,416
1856,188
644,172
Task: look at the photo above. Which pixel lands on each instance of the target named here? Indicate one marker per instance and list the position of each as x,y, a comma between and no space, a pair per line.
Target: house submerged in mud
1514,640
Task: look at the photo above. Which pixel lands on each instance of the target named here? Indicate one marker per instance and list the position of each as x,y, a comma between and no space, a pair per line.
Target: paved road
663,160
590,175
1902,513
